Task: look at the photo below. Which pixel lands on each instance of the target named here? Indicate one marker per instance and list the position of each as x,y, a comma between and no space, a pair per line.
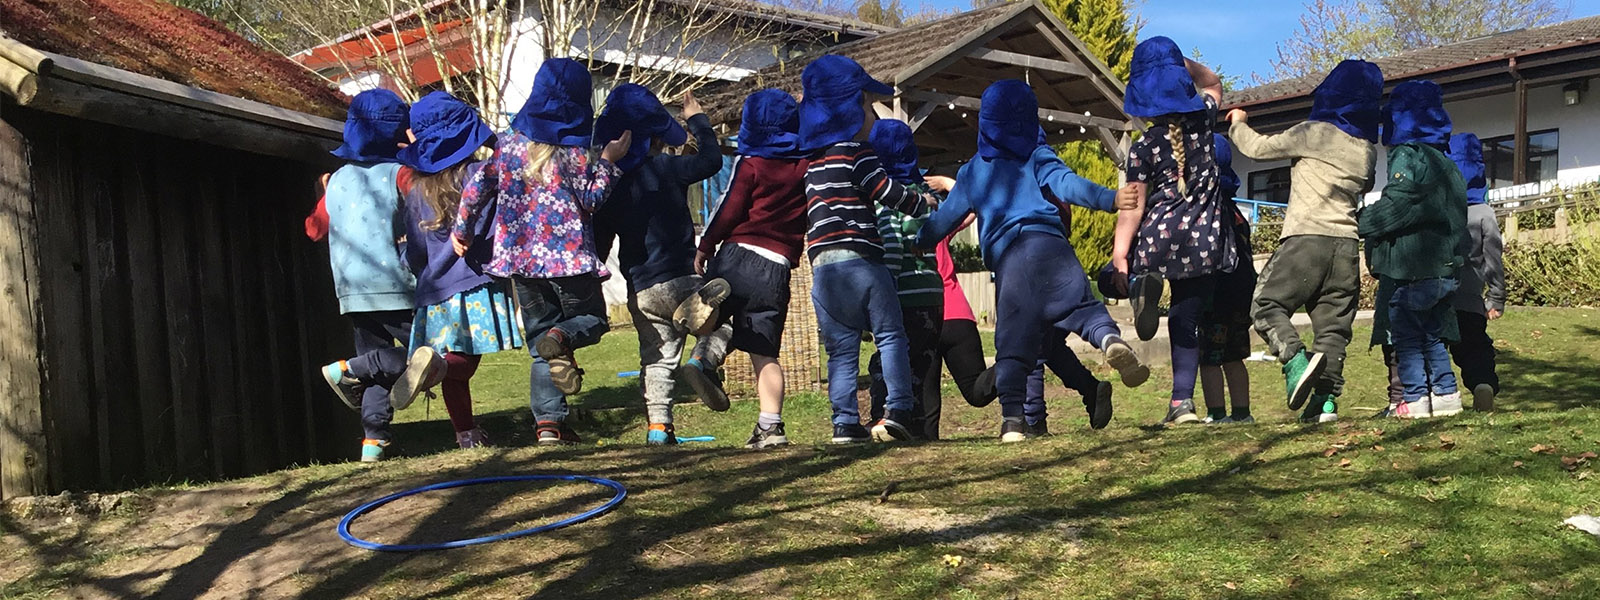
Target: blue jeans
1414,325
1043,295
573,306
852,296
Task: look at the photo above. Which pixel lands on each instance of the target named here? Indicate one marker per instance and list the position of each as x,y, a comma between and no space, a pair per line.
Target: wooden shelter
163,312
939,70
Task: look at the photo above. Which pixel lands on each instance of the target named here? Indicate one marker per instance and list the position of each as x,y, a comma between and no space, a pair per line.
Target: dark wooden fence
180,309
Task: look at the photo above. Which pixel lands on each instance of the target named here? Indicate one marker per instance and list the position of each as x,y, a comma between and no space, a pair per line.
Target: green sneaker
1324,408
1300,376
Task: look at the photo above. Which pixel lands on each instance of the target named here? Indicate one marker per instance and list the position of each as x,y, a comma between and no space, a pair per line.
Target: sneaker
892,427
348,390
472,438
1039,429
1244,420
1099,407
1122,358
707,385
424,371
1483,397
661,434
1013,430
1322,409
1180,414
552,433
852,433
1416,409
372,450
1146,300
1300,376
698,312
1447,405
984,389
564,371
772,437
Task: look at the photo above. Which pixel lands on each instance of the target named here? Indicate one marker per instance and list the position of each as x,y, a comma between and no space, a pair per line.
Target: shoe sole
339,391
1412,413
698,312
890,431
424,371
1012,437
984,387
1185,418
566,375
549,348
1122,358
1449,410
371,459
1328,418
1483,398
1308,380
1100,412
711,394
1147,316
771,442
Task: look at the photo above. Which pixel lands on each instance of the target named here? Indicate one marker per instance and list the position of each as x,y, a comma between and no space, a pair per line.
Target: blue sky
1240,36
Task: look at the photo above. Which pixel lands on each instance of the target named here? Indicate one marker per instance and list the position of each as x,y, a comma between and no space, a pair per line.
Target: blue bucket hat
447,130
374,128
769,125
1227,179
1159,82
1467,152
1350,98
830,105
560,110
1008,121
632,107
896,147
1416,114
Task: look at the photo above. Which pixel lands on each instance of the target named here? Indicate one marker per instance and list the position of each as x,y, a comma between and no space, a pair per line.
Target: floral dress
1185,233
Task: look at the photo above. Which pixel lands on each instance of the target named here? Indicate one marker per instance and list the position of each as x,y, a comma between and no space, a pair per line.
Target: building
163,311
1525,93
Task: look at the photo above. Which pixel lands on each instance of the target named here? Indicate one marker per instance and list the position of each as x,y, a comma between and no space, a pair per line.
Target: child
539,191
1316,265
1225,324
1413,234
363,227
648,214
461,311
1481,248
916,279
851,288
756,236
1182,232
1042,292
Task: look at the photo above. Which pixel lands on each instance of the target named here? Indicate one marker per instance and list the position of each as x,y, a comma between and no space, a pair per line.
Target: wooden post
1519,169
23,453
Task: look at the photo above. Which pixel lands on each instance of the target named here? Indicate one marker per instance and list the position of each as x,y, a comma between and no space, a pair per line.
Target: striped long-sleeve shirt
843,182
916,274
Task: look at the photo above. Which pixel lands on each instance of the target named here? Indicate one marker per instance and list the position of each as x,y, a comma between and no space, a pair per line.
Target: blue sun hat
633,107
896,148
1416,114
1467,152
769,125
560,110
1008,121
1350,98
374,128
1159,82
1227,179
448,131
830,105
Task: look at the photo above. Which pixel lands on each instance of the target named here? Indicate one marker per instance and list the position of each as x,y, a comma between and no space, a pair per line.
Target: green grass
1447,508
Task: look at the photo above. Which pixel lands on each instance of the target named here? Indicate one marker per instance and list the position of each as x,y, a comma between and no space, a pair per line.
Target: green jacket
1413,231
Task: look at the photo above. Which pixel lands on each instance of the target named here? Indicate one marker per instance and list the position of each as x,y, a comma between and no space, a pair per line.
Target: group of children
436,252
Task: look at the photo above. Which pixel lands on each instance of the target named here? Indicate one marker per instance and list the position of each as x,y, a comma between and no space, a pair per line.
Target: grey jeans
1321,274
661,340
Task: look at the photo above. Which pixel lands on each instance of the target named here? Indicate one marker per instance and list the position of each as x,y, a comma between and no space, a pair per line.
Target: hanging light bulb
952,106
963,115
1082,130
1050,118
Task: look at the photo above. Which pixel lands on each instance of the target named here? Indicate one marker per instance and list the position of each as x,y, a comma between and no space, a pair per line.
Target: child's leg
1396,388
1238,387
1475,352
962,350
583,310
841,317
922,326
1065,364
888,326
1333,314
1020,323
540,312
379,362
457,389
1034,409
1189,297
1211,387
878,390
660,342
769,383
1288,280
1441,379
1406,329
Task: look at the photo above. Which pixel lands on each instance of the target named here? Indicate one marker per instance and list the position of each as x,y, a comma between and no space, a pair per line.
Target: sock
1219,412
1240,412
1105,342
768,420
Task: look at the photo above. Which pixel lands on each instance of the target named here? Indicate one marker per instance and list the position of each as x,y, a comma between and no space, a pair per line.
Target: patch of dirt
68,504
984,532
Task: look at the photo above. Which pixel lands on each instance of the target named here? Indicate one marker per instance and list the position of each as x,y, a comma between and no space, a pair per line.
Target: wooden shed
162,309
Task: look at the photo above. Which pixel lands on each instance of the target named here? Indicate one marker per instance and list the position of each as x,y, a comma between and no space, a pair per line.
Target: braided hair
1179,154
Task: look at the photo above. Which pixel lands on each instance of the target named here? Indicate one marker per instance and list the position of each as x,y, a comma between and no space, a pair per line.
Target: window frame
1250,184
1488,156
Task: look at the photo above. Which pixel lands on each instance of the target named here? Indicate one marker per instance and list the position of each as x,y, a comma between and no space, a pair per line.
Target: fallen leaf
1571,463
1377,448
1231,585
1344,462
1438,480
1330,452
1516,464
1446,443
1335,515
1542,449
1417,448
1395,465
1582,476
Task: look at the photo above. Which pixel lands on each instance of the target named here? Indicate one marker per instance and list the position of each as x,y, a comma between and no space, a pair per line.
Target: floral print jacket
540,229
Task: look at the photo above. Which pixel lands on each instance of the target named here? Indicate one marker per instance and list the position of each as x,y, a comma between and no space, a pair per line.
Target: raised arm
1290,144
1068,186
707,157
951,216
870,178
1206,80
478,192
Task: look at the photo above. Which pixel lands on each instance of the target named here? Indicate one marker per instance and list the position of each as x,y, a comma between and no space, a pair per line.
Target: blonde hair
540,157
442,192
1179,154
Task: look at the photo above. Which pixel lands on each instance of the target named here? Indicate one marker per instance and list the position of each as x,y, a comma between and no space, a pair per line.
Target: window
1500,157
1271,185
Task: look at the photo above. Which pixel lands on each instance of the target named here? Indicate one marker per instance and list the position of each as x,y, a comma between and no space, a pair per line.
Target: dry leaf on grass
1344,462
1231,585
1446,443
1516,464
1330,452
1542,449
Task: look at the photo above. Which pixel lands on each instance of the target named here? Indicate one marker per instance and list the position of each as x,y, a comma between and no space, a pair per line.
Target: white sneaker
1447,405
1483,398
1421,409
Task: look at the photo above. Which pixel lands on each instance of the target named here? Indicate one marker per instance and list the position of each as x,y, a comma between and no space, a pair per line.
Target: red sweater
764,206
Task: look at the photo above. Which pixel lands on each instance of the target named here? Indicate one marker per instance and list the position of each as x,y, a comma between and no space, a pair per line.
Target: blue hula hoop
344,524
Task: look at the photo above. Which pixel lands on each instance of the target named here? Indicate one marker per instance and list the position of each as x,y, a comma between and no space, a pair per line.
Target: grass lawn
1467,507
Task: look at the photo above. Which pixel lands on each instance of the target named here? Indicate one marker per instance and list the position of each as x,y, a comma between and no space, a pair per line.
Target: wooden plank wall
183,309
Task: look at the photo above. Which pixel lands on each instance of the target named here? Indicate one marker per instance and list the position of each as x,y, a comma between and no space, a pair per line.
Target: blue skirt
482,320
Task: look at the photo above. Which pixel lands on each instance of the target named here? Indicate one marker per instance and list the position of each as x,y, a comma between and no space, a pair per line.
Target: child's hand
324,180
1494,314
700,260
940,183
1238,116
1129,197
618,148
459,245
691,106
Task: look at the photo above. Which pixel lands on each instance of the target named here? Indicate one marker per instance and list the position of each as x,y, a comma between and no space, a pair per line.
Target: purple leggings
1189,300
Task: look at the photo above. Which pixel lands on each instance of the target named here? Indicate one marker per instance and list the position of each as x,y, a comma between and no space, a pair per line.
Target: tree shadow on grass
1531,383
